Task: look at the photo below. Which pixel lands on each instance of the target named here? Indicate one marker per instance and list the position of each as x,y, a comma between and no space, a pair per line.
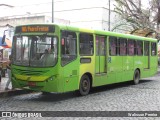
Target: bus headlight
51,78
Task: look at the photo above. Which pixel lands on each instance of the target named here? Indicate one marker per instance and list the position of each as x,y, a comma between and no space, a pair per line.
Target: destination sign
35,28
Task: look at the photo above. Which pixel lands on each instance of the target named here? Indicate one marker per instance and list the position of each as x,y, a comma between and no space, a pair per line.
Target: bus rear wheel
84,86
136,77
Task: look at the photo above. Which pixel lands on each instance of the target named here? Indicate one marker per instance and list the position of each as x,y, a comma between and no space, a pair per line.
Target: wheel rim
85,85
136,79
136,76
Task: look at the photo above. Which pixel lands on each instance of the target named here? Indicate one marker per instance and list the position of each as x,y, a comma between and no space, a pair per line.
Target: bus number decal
35,28
109,60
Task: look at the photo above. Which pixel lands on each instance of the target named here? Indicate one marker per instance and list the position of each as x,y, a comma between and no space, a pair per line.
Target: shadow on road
57,97
116,86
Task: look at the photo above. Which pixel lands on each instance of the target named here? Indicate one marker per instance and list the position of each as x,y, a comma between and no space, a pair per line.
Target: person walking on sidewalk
9,72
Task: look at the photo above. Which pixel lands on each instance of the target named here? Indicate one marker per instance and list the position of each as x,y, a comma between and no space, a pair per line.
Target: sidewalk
10,92
3,84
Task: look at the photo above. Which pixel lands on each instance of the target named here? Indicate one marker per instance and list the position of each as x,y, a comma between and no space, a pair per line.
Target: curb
14,92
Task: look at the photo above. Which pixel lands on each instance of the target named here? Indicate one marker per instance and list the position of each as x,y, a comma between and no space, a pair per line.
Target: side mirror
3,39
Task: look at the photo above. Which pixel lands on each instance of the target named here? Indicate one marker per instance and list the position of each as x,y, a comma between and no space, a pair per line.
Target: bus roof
99,32
108,33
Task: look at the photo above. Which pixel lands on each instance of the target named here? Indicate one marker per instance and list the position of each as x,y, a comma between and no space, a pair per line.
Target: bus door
69,62
100,62
146,55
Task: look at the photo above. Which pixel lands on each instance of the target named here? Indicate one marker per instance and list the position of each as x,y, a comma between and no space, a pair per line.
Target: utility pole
52,11
109,14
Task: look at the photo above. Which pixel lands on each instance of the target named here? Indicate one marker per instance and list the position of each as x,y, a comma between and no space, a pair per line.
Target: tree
155,8
139,17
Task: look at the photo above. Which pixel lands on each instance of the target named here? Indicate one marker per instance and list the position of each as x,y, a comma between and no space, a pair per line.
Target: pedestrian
9,72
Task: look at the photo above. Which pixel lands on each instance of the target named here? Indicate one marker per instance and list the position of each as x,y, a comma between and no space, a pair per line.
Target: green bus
61,58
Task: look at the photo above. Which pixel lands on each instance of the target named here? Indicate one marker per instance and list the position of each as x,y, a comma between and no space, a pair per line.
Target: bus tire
84,86
136,77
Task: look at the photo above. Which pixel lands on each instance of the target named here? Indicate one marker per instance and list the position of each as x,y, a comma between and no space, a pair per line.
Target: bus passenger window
123,46
68,47
100,45
86,44
146,48
135,47
139,48
131,47
112,46
153,49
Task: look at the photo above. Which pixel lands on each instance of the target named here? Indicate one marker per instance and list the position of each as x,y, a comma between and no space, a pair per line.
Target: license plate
31,83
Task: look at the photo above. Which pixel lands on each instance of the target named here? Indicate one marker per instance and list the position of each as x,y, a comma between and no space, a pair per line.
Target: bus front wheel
84,86
136,77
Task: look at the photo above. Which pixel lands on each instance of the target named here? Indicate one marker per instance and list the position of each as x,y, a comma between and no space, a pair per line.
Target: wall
83,13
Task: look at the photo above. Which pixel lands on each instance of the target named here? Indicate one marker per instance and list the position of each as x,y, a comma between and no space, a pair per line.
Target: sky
29,2
37,7
23,2
29,6
21,7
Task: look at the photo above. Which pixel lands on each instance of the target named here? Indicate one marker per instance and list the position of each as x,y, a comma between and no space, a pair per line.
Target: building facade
94,14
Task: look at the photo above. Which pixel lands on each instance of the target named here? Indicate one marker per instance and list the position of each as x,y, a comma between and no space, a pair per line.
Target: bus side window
123,46
139,48
135,47
68,47
146,48
118,46
86,44
153,49
131,47
112,46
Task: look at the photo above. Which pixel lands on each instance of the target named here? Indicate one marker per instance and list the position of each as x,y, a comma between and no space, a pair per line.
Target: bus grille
29,72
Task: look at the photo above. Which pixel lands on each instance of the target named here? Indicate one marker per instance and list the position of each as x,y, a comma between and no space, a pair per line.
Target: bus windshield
37,51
